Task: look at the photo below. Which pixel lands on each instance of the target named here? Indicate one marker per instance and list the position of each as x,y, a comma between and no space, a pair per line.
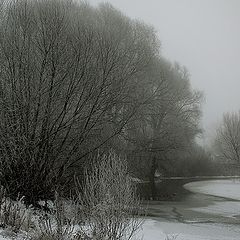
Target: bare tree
67,74
227,141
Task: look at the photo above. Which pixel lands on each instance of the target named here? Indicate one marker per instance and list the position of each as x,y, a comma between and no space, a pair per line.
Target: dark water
168,190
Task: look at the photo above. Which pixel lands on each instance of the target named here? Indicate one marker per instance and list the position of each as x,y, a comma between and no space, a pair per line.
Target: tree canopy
76,79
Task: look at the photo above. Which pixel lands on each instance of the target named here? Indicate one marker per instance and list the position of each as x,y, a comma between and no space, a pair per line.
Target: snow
156,230
202,177
136,180
220,188
8,234
150,230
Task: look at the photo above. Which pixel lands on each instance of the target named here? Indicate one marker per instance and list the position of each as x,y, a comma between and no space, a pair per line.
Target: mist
204,36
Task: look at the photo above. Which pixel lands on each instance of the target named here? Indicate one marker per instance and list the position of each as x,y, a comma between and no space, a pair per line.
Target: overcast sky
204,36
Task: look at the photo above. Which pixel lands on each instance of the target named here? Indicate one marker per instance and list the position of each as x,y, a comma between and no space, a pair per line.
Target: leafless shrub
111,207
59,223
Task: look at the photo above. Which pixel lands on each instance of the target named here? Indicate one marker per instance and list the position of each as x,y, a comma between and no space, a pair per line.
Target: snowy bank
220,188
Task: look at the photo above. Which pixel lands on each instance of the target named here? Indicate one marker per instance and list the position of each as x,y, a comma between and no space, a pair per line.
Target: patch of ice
226,209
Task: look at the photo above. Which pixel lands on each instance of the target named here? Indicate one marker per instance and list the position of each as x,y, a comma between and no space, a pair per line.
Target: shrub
60,222
111,206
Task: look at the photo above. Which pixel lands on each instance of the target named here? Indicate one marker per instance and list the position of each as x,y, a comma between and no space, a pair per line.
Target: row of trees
76,80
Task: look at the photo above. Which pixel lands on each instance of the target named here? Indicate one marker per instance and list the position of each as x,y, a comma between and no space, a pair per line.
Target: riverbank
199,215
221,188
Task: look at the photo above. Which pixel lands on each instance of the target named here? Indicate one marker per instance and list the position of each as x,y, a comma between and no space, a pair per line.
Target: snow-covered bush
59,223
111,206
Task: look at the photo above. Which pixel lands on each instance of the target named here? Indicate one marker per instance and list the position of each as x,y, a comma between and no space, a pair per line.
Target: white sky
204,36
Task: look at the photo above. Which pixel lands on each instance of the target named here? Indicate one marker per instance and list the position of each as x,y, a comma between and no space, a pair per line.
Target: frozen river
208,210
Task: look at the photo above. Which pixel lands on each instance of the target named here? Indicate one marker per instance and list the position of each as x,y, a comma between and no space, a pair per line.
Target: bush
105,207
111,207
60,222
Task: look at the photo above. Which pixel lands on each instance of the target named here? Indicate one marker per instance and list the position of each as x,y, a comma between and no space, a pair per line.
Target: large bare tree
67,78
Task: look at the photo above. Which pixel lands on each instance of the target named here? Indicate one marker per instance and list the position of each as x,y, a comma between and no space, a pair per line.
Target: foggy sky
204,36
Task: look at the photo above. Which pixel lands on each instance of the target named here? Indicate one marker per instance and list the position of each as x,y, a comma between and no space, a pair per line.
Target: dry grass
59,223
14,214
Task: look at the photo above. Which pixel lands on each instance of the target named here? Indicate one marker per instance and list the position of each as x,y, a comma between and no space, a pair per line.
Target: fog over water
204,36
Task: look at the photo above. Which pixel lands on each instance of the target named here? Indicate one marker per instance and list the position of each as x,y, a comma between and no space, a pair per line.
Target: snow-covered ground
7,234
156,230
220,188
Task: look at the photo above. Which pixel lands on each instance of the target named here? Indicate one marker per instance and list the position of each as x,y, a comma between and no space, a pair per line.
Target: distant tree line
76,81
